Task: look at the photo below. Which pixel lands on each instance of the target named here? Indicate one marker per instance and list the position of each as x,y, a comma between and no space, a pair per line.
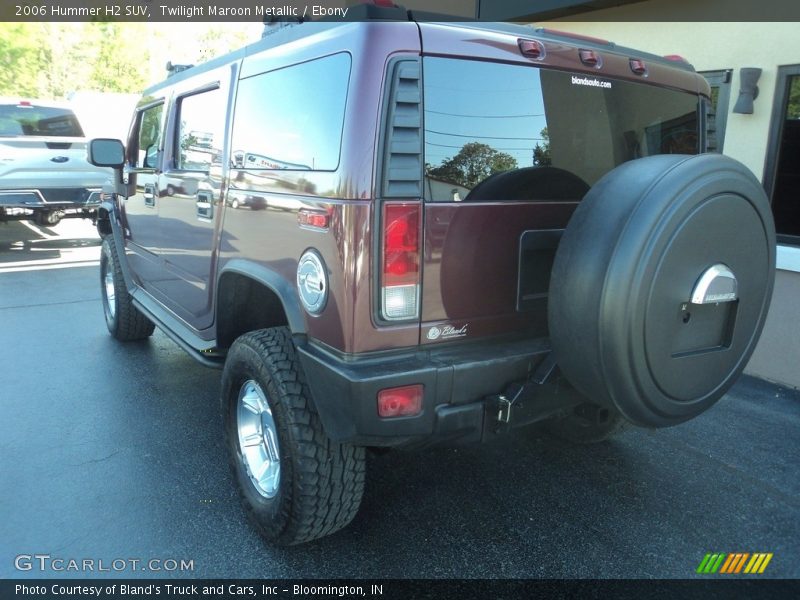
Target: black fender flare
274,281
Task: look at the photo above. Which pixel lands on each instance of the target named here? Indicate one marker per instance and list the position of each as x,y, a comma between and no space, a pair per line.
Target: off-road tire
579,430
125,322
321,482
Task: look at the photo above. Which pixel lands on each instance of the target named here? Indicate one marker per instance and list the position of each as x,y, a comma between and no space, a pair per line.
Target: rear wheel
296,484
123,319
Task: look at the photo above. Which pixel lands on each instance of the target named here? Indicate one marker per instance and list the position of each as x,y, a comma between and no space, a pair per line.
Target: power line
496,148
487,137
525,116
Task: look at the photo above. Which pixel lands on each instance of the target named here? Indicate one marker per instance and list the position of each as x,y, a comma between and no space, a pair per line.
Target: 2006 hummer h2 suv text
391,233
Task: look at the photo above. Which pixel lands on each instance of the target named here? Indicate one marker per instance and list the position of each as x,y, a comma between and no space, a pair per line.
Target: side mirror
104,152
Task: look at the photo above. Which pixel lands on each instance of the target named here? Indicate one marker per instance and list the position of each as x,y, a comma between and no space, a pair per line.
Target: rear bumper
55,199
461,387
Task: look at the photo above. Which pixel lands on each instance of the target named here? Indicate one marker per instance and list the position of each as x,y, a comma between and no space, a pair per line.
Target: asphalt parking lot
112,451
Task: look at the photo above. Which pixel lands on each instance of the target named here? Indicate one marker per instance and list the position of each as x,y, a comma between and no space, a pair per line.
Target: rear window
483,119
21,120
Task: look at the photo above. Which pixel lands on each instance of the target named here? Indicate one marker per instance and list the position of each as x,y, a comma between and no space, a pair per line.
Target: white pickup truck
44,175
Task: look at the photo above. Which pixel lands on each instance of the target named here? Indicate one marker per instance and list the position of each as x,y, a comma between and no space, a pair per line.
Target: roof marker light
638,66
532,48
676,58
591,58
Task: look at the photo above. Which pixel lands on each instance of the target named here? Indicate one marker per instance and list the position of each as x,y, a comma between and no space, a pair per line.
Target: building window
720,82
782,173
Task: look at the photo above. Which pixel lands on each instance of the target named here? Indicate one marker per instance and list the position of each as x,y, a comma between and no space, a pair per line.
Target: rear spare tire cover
647,238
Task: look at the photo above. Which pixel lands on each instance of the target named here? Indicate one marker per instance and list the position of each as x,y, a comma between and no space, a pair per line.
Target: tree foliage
24,55
541,153
473,163
793,106
51,60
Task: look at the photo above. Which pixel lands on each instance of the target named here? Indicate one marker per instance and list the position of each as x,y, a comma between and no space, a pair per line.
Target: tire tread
328,477
130,324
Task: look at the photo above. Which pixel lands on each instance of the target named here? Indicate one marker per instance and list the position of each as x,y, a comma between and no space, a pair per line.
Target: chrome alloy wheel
258,439
110,293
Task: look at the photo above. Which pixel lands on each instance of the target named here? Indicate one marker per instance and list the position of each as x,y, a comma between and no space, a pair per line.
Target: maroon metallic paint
469,255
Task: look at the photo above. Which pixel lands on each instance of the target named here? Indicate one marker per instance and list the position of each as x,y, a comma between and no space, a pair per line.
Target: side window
149,137
292,118
201,124
720,82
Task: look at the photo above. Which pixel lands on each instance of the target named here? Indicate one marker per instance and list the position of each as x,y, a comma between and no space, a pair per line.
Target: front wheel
123,319
295,483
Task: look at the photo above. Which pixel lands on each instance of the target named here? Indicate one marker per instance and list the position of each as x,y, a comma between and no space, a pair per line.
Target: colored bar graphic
711,563
757,558
734,563
726,568
718,562
702,566
765,563
741,562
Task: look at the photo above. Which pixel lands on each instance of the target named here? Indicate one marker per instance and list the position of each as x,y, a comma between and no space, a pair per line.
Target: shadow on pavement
22,242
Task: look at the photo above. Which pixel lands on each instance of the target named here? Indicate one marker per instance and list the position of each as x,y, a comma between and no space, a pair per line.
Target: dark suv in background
465,227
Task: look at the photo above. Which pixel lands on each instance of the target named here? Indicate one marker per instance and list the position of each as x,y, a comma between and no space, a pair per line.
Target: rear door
510,150
189,190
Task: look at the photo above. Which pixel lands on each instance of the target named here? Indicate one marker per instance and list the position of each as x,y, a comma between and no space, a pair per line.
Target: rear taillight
400,261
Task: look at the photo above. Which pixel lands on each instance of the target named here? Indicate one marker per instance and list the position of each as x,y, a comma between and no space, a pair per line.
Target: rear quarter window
292,118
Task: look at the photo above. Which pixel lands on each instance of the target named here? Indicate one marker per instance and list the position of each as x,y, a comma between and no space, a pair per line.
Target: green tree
24,56
473,163
793,107
51,60
120,59
541,153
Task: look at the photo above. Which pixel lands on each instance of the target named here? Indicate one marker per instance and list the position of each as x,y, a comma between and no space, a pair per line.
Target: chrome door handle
149,194
205,206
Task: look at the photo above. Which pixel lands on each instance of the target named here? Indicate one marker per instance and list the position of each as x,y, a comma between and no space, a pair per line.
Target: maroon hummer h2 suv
391,233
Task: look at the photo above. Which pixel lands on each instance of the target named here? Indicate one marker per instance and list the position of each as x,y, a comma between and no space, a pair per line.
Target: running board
202,352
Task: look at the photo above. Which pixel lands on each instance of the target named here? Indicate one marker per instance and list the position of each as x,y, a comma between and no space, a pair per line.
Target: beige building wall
727,45
712,46
460,8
